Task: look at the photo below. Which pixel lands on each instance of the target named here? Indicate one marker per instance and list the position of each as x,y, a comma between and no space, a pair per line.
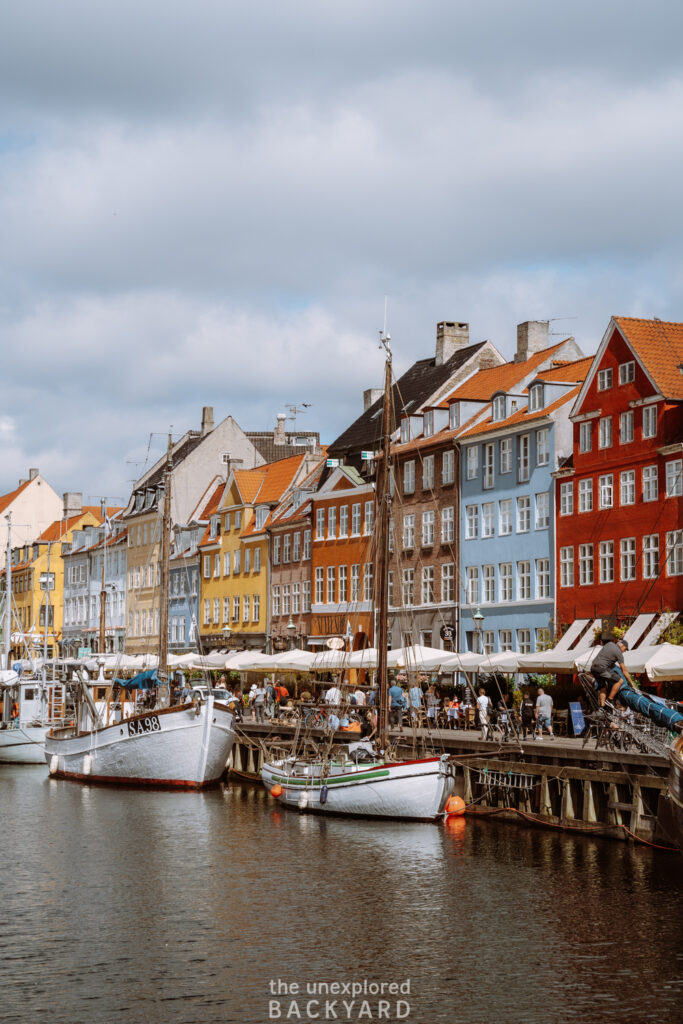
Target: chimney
532,336
450,337
370,396
32,474
73,503
207,420
279,434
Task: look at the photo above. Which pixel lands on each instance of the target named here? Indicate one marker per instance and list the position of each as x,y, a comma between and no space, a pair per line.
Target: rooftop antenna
294,409
553,319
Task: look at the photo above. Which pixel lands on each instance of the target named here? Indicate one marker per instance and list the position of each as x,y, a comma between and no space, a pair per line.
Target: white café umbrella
665,662
366,658
468,661
416,658
330,661
248,661
294,661
503,662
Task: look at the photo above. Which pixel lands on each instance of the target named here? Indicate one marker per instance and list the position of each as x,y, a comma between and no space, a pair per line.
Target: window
567,498
506,455
409,477
606,491
343,583
236,562
674,553
331,583
390,589
505,582
650,421
257,607
651,556
488,519
453,416
427,584
247,558
227,520
319,585
567,567
472,462
226,563
498,408
236,608
428,423
207,569
276,546
627,372
226,609
536,398
626,428
523,468
448,467
355,583
523,581
428,529
306,595
628,558
307,544
408,581
505,639
473,584
542,447
605,432
405,430
428,473
447,525
355,520
605,379
344,521
257,558
543,641
585,564
286,599
320,524
488,466
246,608
628,487
472,528
238,519
674,479
542,578
296,549
542,519
488,576
331,522
585,440
523,514
409,531
448,582
505,517
207,613
585,495
607,561
216,610
650,483
524,641
369,524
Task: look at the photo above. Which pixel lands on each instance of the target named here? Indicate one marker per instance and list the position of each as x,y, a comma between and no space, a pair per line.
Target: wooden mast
383,510
103,592
165,570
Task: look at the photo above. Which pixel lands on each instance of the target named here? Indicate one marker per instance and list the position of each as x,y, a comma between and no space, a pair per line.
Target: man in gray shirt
544,713
606,672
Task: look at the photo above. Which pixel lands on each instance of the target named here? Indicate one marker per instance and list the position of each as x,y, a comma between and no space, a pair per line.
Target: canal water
172,908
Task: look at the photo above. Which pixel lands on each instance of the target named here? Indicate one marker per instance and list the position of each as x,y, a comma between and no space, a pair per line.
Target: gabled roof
264,443
520,417
564,372
409,392
485,383
658,344
268,483
60,527
7,499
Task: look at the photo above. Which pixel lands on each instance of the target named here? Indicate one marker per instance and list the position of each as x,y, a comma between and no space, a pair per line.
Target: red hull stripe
116,781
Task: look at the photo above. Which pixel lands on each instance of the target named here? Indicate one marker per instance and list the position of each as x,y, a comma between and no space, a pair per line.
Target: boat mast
165,569
8,592
383,510
103,592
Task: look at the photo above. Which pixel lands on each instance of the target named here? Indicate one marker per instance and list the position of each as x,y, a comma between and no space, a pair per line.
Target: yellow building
234,563
38,583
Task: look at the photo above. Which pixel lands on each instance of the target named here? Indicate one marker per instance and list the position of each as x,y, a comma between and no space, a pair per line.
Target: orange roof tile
7,499
267,483
484,384
568,371
522,416
658,345
60,527
249,482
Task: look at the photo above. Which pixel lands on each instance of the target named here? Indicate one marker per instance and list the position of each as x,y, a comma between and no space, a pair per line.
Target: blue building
183,611
508,454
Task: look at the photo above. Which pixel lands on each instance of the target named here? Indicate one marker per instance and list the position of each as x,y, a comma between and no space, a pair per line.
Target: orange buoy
455,807
276,790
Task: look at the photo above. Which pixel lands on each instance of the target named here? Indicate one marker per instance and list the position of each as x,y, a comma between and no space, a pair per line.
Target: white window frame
649,421
627,487
607,561
605,432
606,491
627,372
674,478
567,498
506,455
605,379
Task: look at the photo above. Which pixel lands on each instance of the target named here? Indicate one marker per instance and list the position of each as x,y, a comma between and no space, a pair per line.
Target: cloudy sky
205,203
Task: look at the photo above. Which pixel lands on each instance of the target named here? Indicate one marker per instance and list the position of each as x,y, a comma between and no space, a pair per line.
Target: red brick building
619,500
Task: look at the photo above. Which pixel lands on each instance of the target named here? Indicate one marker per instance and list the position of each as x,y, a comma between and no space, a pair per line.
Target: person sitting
608,670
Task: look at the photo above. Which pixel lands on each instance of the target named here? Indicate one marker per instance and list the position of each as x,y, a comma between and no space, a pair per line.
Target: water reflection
176,907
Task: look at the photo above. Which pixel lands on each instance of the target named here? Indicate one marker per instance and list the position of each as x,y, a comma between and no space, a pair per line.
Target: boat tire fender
323,795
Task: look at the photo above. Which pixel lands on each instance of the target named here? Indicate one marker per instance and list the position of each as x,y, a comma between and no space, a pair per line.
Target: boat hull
24,745
181,747
676,788
414,790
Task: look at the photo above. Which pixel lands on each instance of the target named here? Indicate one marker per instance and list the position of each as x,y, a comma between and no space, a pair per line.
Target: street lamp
478,620
291,632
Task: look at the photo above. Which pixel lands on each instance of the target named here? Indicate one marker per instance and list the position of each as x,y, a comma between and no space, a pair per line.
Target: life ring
15,709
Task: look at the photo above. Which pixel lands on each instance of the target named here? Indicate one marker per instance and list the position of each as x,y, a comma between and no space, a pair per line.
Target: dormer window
536,399
405,429
215,526
498,408
627,372
454,415
261,516
428,423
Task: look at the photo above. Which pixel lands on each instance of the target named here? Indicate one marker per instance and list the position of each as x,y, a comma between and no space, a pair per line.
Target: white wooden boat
29,709
186,746
373,788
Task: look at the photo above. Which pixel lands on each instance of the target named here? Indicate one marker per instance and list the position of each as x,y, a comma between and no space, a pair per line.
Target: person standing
484,708
415,703
432,701
544,713
258,696
397,703
528,712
